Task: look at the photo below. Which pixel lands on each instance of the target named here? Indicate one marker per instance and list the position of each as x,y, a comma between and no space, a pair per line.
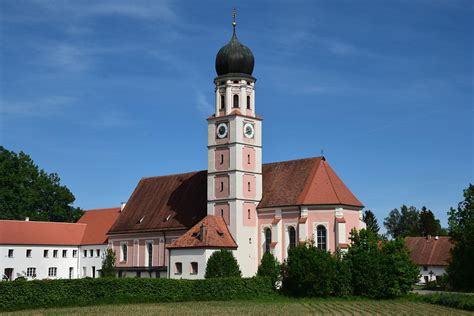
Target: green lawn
286,307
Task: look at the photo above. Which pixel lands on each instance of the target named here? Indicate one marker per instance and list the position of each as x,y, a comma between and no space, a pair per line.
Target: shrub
342,281
222,264
81,292
380,269
108,264
309,271
269,267
455,300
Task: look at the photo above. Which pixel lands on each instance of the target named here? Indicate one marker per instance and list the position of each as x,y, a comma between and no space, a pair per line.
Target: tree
108,263
403,223
222,264
380,268
269,267
371,221
27,191
428,224
461,230
309,271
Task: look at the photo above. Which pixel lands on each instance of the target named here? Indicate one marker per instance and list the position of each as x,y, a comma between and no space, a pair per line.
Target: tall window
292,237
178,268
222,159
268,239
236,101
194,268
248,102
64,253
74,253
28,253
222,186
222,102
55,253
71,272
85,253
248,186
248,159
248,213
149,248
91,252
97,252
321,237
124,252
10,253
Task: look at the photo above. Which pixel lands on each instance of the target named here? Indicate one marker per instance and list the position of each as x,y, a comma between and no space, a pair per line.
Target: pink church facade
172,224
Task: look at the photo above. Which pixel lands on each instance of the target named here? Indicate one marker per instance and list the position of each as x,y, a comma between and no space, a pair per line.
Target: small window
45,253
74,253
222,102
124,252
84,271
91,252
178,268
425,268
222,159
28,253
84,254
194,268
55,253
97,252
236,81
248,186
248,159
52,272
31,272
64,253
71,272
222,186
222,212
236,101
248,213
10,253
248,102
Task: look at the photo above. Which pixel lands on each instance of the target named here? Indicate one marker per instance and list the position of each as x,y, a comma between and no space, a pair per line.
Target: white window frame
263,227
11,253
29,253
176,270
74,253
54,270
31,272
122,257
64,253
287,236
315,233
191,270
147,254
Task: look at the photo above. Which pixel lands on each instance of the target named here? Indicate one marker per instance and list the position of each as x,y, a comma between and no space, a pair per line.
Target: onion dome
234,58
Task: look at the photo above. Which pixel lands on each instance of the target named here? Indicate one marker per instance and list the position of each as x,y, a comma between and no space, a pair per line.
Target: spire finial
234,15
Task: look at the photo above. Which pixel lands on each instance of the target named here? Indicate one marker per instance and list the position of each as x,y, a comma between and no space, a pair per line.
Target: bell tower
234,181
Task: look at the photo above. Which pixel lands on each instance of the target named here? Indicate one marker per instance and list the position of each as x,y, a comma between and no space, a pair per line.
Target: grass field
288,307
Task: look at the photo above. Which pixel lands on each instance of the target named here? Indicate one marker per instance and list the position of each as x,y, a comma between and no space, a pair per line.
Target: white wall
185,256
88,263
20,262
437,271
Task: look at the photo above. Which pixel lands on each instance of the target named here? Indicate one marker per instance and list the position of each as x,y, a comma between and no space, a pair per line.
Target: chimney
202,232
27,219
436,237
428,237
122,205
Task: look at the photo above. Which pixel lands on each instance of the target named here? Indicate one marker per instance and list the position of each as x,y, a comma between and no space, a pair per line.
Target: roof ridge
102,209
330,181
292,160
41,222
172,175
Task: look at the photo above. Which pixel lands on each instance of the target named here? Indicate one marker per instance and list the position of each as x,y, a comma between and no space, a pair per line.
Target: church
172,224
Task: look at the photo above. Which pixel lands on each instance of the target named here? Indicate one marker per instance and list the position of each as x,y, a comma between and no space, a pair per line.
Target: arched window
321,237
248,213
268,239
248,159
236,101
222,186
222,159
248,102
248,186
222,212
222,102
291,237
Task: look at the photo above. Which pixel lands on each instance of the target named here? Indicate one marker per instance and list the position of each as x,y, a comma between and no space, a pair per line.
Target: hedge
455,300
82,292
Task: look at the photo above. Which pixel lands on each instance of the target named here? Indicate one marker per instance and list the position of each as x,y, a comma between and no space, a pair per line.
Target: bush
342,281
380,269
108,264
460,301
269,267
309,271
81,292
222,264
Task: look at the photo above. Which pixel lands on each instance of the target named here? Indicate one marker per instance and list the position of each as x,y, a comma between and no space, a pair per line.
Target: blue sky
107,92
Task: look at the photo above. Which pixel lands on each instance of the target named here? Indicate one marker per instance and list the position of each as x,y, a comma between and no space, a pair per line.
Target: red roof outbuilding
429,251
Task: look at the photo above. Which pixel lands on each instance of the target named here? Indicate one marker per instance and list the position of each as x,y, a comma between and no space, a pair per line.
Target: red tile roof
91,229
98,223
179,201
40,233
340,220
429,251
171,202
309,181
216,235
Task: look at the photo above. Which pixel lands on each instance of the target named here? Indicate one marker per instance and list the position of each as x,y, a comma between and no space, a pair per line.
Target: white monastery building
51,250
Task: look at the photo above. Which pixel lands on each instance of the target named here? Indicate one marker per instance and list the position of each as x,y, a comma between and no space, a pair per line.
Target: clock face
222,130
249,131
